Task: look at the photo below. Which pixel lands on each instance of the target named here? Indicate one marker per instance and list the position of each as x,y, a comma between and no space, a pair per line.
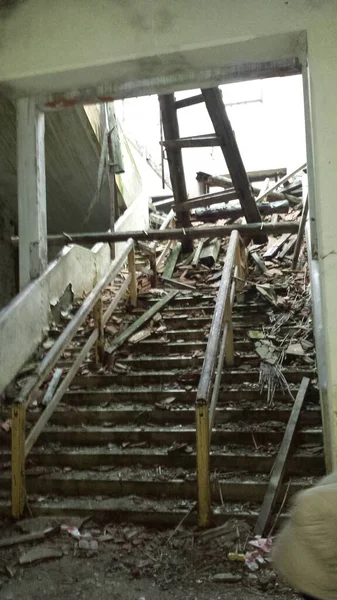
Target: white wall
152,46
24,320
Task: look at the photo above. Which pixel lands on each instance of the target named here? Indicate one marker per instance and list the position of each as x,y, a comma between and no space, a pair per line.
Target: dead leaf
256,335
6,425
49,343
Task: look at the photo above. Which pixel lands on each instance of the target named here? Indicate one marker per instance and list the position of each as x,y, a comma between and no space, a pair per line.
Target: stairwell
121,444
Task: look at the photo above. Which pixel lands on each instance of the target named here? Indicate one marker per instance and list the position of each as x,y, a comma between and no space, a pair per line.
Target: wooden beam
214,338
52,387
172,260
279,467
209,199
203,460
234,212
127,333
175,161
32,207
180,285
225,182
191,101
300,234
18,459
273,250
231,152
197,141
264,174
287,247
214,180
280,182
210,231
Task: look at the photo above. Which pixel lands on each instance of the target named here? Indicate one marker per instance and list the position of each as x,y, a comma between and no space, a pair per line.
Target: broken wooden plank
209,199
259,262
300,234
172,260
160,260
235,212
226,182
287,247
39,554
198,252
273,250
175,161
280,182
28,537
180,285
141,335
196,141
280,461
127,333
231,152
52,386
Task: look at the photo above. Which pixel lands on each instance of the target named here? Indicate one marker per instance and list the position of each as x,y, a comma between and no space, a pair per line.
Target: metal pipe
249,229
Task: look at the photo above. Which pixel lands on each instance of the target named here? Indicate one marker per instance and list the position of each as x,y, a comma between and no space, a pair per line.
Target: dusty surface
131,563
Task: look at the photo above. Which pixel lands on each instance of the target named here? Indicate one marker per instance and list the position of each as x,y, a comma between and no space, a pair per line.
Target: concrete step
148,485
131,413
151,395
181,378
231,460
93,436
134,509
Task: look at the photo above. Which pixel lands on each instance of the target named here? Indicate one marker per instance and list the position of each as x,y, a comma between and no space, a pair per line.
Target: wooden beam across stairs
217,112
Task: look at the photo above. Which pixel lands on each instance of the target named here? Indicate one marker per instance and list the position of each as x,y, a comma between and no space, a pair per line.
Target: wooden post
175,161
280,463
133,284
231,152
301,230
32,208
18,459
203,478
98,318
114,162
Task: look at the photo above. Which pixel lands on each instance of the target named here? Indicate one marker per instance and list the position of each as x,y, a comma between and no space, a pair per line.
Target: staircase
121,444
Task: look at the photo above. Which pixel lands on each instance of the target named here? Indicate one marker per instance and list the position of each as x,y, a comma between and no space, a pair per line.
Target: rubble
275,339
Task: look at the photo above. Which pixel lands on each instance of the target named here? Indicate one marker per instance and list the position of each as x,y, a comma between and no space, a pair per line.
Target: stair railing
219,349
93,303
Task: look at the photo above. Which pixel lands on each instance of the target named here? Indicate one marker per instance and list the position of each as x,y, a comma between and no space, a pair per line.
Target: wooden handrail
218,375
93,302
66,336
211,354
219,348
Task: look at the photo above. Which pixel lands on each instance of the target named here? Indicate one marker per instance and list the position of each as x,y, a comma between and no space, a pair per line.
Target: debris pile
225,554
